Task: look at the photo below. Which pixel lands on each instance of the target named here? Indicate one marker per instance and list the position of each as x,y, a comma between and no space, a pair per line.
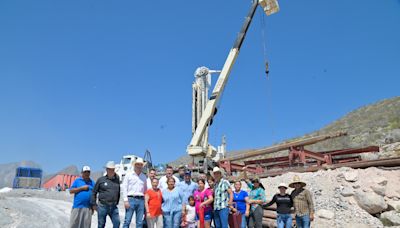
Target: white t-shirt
163,182
190,214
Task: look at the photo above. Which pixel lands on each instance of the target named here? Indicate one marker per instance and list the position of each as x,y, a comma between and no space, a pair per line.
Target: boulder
390,218
370,202
380,180
357,225
394,205
378,189
347,191
351,176
393,189
326,214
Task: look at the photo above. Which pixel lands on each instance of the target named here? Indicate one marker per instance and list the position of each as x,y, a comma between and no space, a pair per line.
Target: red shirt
155,200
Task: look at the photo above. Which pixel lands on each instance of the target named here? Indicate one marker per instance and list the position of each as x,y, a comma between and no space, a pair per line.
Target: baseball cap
85,168
188,172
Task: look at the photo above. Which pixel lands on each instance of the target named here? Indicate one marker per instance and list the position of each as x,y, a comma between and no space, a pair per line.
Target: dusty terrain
22,208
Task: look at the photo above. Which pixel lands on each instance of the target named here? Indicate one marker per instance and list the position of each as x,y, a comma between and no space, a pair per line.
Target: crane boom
195,149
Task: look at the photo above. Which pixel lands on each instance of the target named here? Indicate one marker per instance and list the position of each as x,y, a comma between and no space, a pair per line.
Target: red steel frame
298,155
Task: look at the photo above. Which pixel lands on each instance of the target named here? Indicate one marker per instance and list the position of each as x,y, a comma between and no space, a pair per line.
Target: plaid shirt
221,195
302,202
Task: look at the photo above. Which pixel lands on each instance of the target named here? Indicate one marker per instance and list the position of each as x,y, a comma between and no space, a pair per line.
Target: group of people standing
178,201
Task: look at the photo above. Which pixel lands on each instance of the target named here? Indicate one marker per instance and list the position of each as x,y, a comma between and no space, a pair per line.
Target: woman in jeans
284,203
241,199
256,200
172,205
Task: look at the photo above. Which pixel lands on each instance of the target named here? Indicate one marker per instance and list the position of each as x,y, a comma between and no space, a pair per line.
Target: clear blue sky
83,82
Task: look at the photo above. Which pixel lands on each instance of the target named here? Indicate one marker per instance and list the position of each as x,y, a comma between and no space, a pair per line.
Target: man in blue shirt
81,214
187,187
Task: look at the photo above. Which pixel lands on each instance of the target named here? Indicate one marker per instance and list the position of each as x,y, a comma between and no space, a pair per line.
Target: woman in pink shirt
203,199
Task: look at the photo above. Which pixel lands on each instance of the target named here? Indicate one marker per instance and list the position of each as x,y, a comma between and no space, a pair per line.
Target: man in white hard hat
81,214
108,190
223,199
134,187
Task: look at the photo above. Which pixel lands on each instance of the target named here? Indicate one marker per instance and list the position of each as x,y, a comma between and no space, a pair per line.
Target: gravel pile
348,197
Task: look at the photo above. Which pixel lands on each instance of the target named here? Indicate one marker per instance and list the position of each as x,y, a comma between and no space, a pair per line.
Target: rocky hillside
375,124
7,171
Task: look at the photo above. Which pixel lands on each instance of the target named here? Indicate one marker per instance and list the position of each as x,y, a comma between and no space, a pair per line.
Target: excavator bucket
269,6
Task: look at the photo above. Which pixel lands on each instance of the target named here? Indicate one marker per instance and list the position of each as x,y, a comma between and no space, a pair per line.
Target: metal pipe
285,146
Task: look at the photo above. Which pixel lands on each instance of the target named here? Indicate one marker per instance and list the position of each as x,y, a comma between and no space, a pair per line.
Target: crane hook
266,68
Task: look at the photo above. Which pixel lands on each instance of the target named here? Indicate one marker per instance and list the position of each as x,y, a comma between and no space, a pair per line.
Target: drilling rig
204,105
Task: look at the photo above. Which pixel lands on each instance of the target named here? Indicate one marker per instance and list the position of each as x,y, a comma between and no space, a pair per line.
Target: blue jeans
136,205
284,220
221,218
172,219
110,210
303,221
244,221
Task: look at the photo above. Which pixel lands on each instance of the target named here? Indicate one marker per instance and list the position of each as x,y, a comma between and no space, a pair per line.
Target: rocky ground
40,209
348,197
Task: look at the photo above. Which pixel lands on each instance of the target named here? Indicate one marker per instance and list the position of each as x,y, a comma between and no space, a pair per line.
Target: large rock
380,180
378,189
347,191
390,218
393,188
351,176
370,202
394,205
356,225
326,214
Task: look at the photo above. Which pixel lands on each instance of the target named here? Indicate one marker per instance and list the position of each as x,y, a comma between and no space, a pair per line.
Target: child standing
190,214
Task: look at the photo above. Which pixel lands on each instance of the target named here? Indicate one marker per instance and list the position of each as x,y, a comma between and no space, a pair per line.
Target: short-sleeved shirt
187,189
240,199
172,200
155,201
82,198
256,194
200,197
190,214
221,195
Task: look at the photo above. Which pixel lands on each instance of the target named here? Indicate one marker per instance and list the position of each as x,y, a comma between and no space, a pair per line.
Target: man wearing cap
223,198
302,202
284,204
81,214
108,190
134,187
187,186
